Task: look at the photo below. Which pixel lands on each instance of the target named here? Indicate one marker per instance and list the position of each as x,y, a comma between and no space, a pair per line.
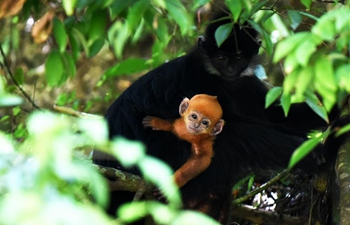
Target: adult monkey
254,138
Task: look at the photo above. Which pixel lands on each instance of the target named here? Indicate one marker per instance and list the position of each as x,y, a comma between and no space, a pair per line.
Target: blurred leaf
68,6
60,34
279,25
129,66
285,102
236,9
273,94
138,32
7,100
315,104
199,3
289,44
10,7
306,3
257,6
69,64
304,79
136,12
19,76
74,46
6,144
128,152
117,7
95,129
97,26
194,218
325,29
79,38
179,14
96,46
41,29
343,130
343,77
303,150
325,83
222,33
295,18
162,30
268,43
290,81
54,68
305,49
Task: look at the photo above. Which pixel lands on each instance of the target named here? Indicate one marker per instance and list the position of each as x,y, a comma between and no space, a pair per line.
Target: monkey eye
194,116
205,123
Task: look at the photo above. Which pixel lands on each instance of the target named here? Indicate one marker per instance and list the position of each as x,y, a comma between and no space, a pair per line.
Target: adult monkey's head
236,55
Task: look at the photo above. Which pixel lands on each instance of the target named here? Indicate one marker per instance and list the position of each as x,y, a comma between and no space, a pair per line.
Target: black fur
253,138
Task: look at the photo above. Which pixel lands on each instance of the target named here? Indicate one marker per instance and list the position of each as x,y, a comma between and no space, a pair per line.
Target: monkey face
196,123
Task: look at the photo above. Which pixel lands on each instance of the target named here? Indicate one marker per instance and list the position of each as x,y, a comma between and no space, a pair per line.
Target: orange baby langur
199,124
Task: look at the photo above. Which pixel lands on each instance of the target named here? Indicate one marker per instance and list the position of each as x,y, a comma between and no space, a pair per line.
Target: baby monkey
199,124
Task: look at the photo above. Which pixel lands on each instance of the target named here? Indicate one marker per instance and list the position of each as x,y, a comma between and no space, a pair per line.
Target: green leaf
136,12
222,33
19,76
304,79
314,103
162,30
235,8
80,37
325,29
54,68
117,7
74,46
306,3
325,81
303,150
68,6
69,64
96,46
290,81
129,66
343,130
343,77
97,28
128,152
273,94
288,45
60,34
295,18
305,49
308,15
286,102
179,14
268,43
279,25
199,3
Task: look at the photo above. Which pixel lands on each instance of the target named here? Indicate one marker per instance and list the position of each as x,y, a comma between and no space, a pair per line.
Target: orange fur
201,137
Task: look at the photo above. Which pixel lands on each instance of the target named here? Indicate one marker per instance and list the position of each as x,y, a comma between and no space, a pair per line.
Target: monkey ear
218,127
201,41
184,105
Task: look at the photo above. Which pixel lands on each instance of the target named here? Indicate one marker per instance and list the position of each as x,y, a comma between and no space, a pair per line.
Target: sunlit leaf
194,218
343,130
304,79
199,3
325,29
128,152
289,44
97,26
290,81
68,6
273,94
343,77
279,25
303,150
117,7
136,12
222,33
7,100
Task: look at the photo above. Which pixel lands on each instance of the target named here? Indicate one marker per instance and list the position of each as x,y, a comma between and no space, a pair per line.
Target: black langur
254,138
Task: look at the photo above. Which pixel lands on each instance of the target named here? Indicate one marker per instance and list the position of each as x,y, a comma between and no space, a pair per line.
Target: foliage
45,174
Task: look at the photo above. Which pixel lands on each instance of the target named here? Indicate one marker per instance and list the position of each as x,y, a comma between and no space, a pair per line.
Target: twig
14,80
262,187
72,112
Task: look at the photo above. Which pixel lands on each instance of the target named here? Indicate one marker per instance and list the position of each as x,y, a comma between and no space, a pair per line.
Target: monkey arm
196,164
157,124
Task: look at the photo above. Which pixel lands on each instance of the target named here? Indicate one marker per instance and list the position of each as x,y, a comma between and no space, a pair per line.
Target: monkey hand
149,121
